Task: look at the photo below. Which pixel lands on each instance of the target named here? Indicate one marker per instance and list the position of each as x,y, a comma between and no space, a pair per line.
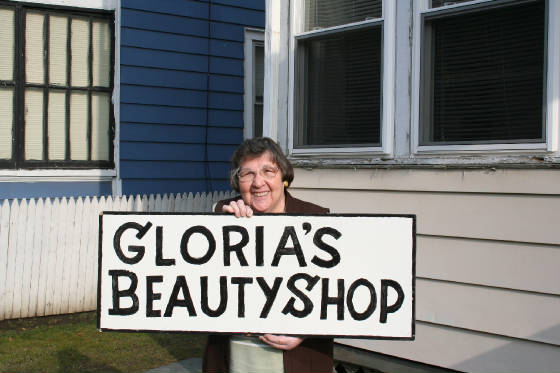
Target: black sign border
100,257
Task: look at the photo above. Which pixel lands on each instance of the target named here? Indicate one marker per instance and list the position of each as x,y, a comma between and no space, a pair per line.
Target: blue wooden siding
9,190
182,92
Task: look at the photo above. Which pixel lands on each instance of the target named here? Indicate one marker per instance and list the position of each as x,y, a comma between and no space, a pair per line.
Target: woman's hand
238,208
281,342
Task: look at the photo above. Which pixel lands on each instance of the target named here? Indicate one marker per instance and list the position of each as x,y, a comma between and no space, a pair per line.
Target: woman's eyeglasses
246,175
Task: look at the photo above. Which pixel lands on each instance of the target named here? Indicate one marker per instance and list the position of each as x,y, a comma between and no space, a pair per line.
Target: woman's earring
286,184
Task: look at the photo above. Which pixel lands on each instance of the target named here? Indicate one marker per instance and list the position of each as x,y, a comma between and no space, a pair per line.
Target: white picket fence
49,248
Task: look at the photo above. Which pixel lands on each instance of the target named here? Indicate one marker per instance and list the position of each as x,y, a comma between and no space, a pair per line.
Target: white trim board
90,4
55,175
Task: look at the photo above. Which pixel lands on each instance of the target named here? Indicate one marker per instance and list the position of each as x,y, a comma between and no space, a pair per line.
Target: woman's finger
248,211
241,208
233,208
281,342
238,208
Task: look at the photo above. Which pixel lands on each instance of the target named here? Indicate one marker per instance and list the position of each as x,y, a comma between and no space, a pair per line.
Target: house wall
181,92
58,189
488,249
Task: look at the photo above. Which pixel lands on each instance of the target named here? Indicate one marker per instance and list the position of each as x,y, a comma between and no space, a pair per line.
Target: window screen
343,89
483,76
327,13
339,76
440,3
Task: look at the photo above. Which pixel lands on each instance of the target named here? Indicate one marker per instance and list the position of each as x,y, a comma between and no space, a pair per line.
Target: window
483,75
56,81
344,53
254,82
421,82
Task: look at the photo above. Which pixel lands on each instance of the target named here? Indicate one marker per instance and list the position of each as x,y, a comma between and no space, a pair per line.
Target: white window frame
420,8
87,175
252,37
89,4
388,20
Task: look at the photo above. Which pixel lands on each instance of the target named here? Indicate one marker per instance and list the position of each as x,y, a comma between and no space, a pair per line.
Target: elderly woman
261,173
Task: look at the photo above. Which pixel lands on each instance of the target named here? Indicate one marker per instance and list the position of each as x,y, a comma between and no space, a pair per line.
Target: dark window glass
343,89
258,90
483,78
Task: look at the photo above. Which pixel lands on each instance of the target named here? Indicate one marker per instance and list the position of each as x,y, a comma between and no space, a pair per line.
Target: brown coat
313,355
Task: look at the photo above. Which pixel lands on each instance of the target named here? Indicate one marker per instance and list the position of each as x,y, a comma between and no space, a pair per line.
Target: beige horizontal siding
518,218
521,266
433,180
487,259
503,312
467,351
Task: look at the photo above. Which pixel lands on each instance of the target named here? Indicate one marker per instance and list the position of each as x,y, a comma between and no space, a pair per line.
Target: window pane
259,70
58,38
57,125
6,122
100,134
488,75
6,44
343,100
258,119
258,90
80,47
34,124
101,39
438,3
34,51
327,13
78,126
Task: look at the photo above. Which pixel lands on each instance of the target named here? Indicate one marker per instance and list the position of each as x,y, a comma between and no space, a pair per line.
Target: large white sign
328,275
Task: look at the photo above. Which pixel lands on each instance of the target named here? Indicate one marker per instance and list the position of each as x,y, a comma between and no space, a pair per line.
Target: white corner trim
89,4
271,50
117,181
35,176
276,44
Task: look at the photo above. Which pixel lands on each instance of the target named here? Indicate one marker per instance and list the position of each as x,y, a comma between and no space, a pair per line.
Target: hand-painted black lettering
139,250
259,246
238,247
307,303
204,297
241,282
118,294
338,300
289,232
185,244
306,227
174,301
269,293
384,310
160,260
318,241
372,300
151,296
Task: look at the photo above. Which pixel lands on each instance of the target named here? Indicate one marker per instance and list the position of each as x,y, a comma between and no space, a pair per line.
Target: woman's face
265,192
